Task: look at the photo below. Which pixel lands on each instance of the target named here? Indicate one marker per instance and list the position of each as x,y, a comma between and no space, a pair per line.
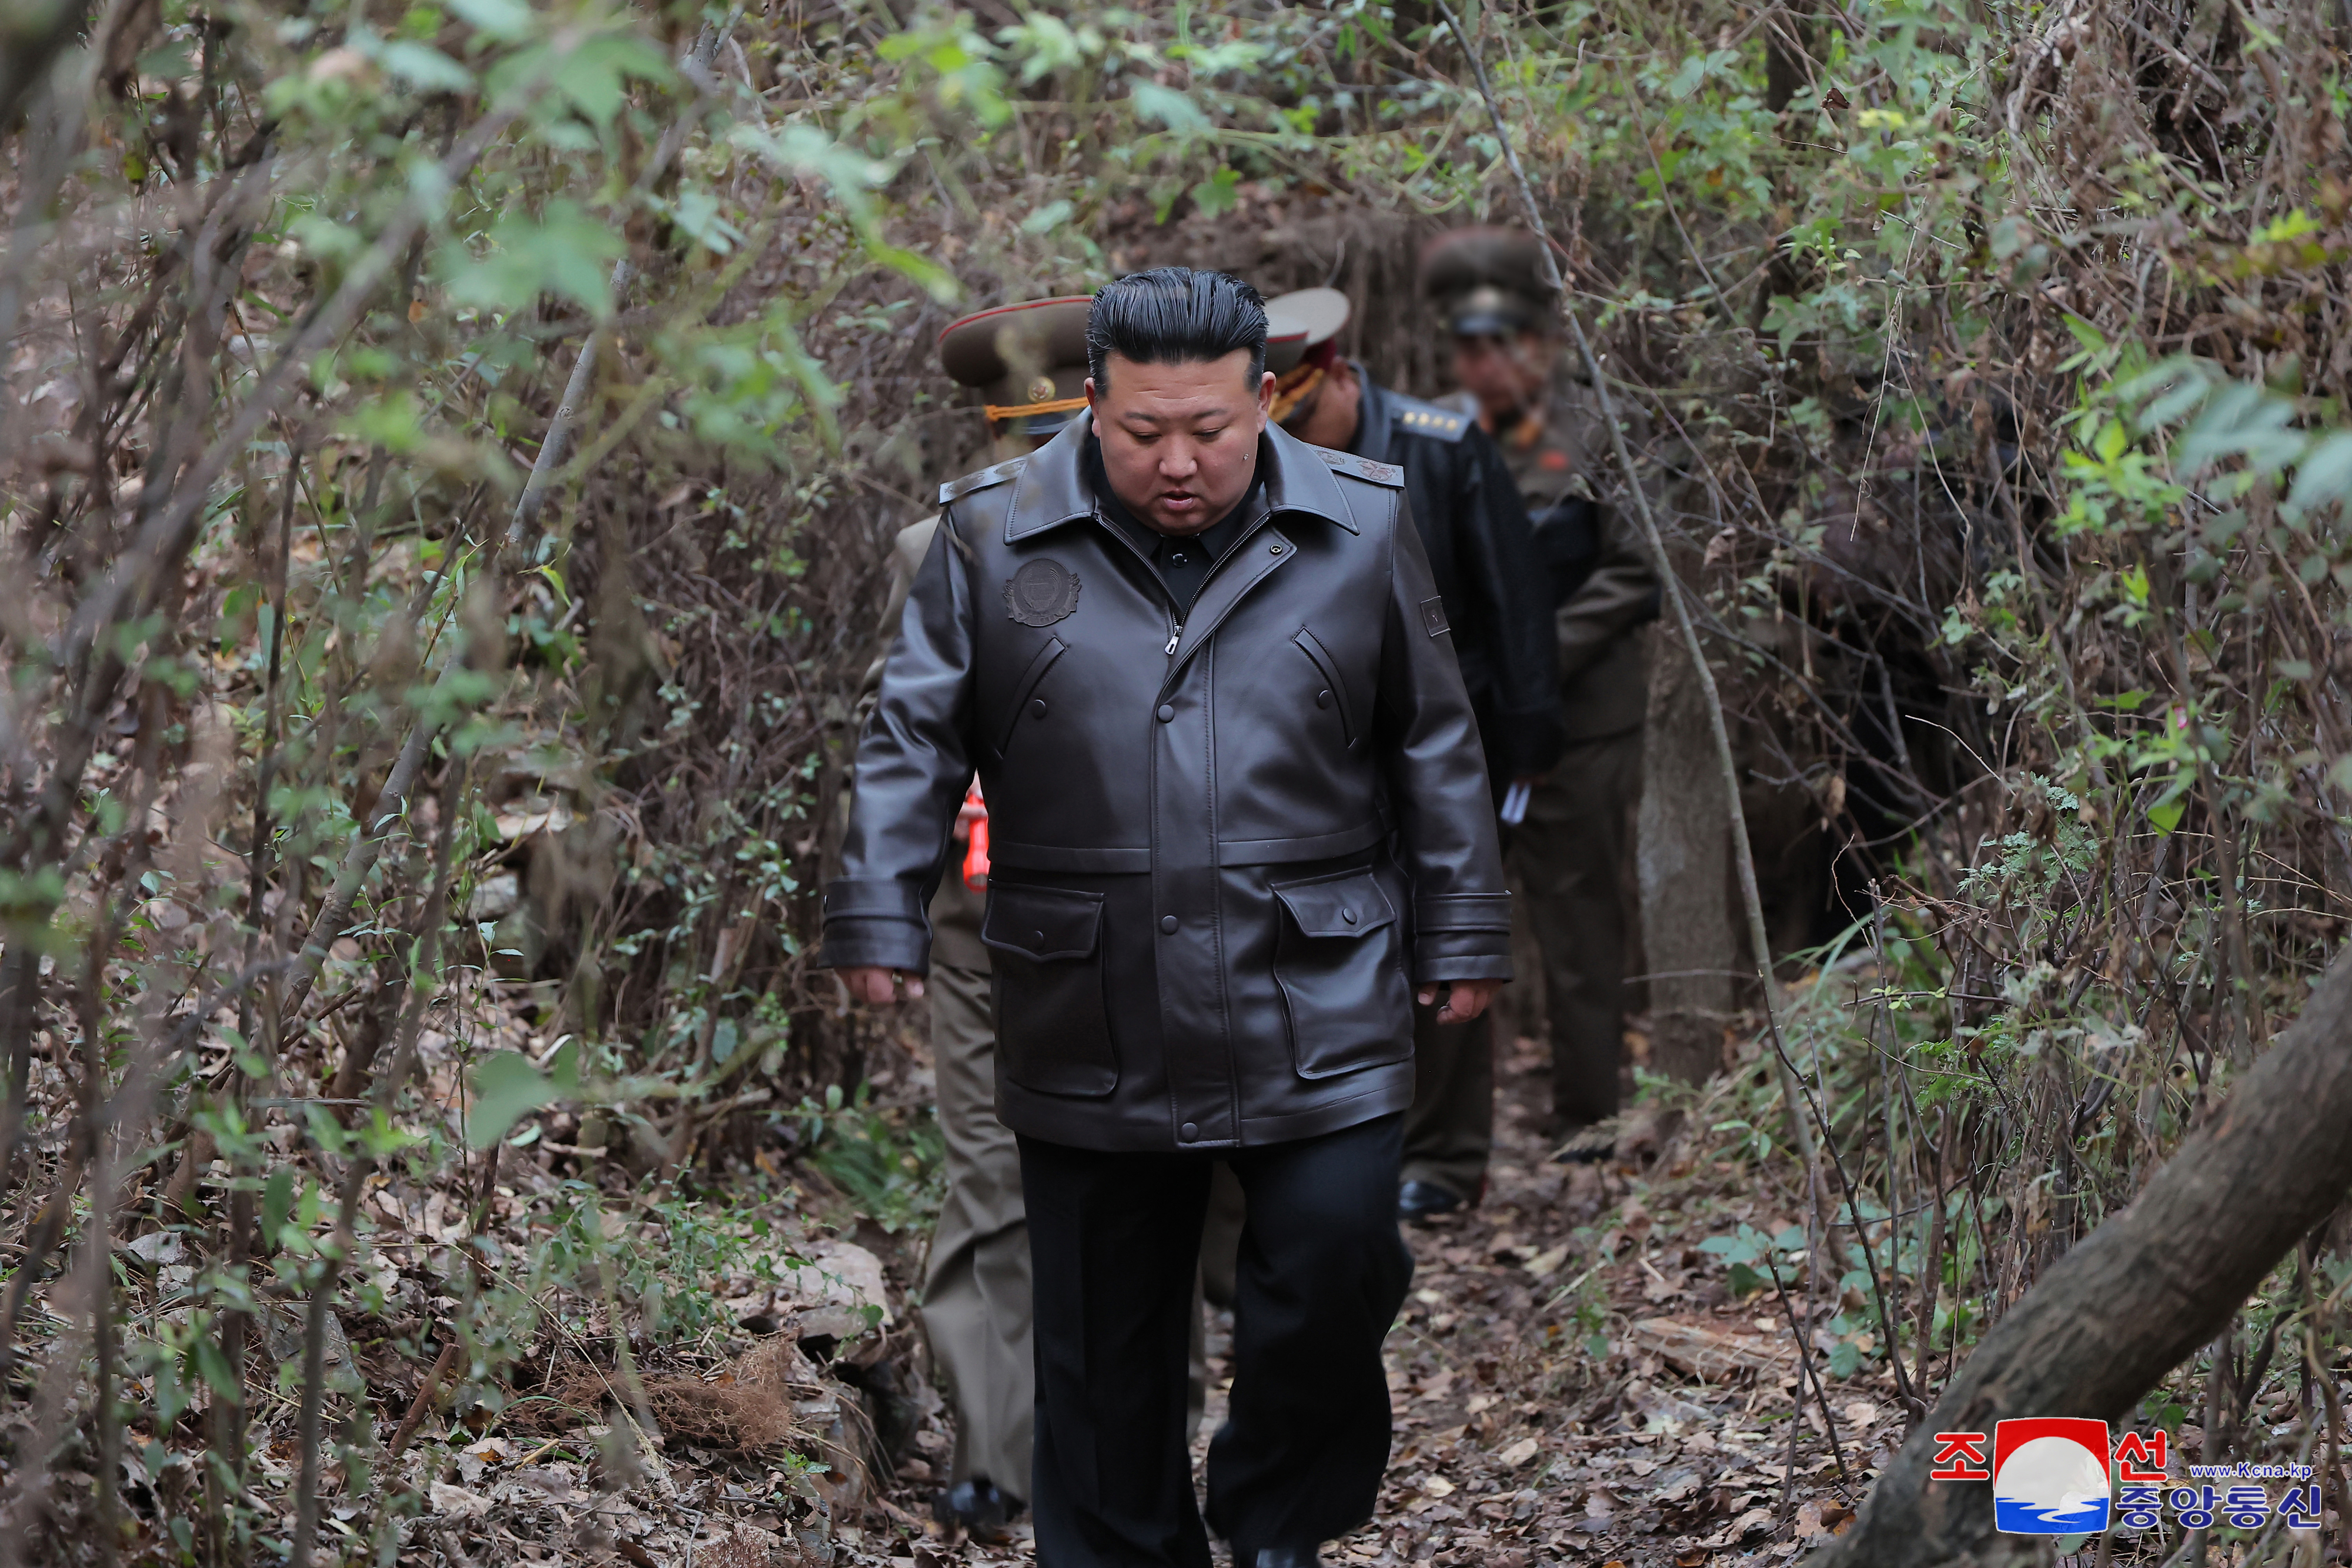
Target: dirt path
1574,1386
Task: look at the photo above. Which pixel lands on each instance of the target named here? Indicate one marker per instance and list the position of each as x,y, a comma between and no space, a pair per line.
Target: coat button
1167,715
1037,708
1189,1131
1039,937
1168,923
1274,550
1349,915
1323,699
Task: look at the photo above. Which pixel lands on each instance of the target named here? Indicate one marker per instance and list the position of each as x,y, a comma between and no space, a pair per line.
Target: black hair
1173,315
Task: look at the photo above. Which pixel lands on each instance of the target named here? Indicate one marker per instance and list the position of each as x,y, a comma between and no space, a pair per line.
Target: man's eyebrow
1139,416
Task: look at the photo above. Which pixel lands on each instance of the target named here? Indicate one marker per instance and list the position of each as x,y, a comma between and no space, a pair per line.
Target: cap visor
1487,324
1044,424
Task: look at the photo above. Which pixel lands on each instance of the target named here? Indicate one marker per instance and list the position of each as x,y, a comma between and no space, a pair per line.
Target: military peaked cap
1302,331
1488,282
1029,361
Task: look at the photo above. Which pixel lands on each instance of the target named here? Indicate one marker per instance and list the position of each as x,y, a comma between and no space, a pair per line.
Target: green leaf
506,20
2325,474
2166,815
506,1088
211,1365
594,76
2085,334
1167,107
562,251
277,1201
1047,218
696,212
1217,195
390,422
2242,421
172,1396
1685,80
425,67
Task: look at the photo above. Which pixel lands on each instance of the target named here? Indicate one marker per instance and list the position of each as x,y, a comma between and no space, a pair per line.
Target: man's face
1505,374
1180,442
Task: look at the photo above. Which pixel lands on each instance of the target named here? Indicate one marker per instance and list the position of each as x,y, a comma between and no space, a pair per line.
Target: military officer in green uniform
1570,846
1029,363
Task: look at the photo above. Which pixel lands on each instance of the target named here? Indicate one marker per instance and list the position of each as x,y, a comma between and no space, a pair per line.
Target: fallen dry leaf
1545,1264
456,1502
1518,1453
1708,1353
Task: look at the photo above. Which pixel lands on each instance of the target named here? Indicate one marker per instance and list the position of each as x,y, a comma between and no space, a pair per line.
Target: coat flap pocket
1045,923
1346,906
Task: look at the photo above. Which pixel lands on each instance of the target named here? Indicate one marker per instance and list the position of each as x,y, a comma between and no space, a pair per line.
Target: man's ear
1093,406
1266,384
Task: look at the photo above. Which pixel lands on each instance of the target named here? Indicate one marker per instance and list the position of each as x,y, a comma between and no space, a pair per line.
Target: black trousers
1114,1240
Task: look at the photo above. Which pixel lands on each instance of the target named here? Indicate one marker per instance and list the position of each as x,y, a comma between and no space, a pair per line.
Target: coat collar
1052,489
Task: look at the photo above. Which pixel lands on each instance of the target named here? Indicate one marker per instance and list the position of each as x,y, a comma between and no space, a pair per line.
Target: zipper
1175,637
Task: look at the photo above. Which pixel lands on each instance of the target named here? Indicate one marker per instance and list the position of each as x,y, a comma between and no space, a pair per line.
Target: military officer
1028,363
1489,286
1467,510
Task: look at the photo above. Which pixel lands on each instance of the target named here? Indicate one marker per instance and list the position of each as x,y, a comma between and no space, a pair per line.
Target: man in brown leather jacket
1570,848
1238,821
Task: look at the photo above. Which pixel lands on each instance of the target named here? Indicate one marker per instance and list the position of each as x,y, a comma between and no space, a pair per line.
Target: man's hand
877,986
1464,999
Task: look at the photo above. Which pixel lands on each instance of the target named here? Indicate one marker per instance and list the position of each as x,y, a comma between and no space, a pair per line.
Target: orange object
976,857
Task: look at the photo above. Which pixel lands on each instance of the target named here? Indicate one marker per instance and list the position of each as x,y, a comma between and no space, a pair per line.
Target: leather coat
1482,553
1222,849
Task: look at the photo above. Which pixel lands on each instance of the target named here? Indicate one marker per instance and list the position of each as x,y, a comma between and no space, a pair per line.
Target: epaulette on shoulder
1417,418
1357,467
997,474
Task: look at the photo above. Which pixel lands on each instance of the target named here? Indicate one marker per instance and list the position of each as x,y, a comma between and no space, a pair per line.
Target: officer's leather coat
1222,851
1482,554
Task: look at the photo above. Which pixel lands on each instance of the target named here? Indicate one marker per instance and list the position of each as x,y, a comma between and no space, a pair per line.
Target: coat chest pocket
1052,1028
1339,958
1025,702
1331,691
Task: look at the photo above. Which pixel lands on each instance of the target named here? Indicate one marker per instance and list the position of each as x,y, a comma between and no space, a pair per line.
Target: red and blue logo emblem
2050,1477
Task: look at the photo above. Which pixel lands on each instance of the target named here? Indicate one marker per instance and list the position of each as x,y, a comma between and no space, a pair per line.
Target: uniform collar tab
1297,480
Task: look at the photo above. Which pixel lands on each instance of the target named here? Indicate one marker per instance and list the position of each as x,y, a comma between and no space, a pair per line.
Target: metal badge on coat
1041,592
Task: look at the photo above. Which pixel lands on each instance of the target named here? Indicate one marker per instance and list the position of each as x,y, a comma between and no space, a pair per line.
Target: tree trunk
1689,931
2141,1293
